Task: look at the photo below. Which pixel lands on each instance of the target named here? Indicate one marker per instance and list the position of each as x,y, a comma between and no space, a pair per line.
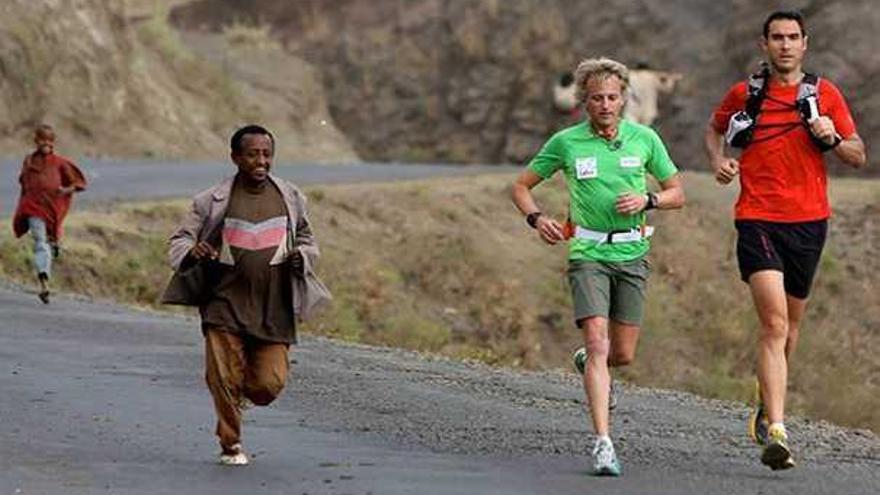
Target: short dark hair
238,136
44,129
788,15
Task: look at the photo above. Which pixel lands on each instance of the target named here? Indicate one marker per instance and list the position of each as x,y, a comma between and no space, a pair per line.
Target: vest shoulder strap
809,86
757,86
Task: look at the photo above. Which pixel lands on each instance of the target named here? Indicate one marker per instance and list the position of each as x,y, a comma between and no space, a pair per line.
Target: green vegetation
448,266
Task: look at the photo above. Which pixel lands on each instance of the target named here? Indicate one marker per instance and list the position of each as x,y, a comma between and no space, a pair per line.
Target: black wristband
532,219
652,201
823,146
837,141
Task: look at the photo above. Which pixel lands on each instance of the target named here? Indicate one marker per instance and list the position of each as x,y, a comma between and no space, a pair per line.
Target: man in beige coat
244,255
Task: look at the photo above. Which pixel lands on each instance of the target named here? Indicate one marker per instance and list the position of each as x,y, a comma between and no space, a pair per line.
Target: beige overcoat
204,222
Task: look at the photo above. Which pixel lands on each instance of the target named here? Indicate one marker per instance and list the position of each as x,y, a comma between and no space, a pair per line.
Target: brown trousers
239,367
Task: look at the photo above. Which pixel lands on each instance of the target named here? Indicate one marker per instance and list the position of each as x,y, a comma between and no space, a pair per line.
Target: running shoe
244,404
605,459
43,277
234,456
580,363
758,422
580,360
776,454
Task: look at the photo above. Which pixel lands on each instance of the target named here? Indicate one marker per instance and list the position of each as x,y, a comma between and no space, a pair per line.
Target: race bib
630,162
587,168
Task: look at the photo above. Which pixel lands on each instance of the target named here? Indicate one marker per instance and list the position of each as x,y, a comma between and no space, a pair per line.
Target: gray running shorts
615,290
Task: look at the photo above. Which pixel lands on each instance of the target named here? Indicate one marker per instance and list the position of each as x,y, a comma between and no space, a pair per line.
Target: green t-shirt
597,171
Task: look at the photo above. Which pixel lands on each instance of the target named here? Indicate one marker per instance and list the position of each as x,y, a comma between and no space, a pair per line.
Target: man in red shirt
48,182
782,211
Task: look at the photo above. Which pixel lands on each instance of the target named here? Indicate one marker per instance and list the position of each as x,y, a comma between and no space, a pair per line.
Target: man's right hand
549,229
203,251
726,169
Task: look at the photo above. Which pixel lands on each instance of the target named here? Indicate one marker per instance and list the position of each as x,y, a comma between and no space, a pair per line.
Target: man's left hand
631,203
296,262
66,191
823,128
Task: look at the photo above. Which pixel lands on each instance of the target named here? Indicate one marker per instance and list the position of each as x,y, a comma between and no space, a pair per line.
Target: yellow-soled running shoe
776,454
758,422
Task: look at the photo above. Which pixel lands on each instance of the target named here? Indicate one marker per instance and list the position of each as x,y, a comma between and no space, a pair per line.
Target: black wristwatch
652,201
532,219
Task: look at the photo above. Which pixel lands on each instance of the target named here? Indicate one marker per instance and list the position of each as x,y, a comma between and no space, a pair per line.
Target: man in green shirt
605,161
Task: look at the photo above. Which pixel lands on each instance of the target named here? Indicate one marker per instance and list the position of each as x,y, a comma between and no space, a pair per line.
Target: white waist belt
616,237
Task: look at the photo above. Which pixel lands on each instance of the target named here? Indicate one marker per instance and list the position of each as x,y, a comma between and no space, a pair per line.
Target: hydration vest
742,124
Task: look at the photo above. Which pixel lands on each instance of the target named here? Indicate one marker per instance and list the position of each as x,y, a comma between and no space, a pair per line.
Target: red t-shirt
783,178
40,178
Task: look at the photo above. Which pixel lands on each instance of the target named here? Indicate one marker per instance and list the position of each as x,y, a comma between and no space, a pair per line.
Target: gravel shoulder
104,399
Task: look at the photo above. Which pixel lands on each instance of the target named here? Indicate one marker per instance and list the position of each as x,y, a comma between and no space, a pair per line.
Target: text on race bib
630,162
587,167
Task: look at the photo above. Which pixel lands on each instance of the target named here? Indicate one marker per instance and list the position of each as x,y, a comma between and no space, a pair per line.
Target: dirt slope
116,80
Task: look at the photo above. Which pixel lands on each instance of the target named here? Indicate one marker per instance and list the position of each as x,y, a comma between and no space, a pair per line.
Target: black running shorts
791,248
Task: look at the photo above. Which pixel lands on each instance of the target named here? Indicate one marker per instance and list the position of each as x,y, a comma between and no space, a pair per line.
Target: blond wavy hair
602,68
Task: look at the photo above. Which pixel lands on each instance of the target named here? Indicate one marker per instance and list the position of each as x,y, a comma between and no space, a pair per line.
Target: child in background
48,182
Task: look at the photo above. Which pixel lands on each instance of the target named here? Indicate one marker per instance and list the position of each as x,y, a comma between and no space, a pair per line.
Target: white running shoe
234,457
605,461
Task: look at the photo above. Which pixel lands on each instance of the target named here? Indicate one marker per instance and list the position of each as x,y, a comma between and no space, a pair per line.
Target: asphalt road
99,399
141,179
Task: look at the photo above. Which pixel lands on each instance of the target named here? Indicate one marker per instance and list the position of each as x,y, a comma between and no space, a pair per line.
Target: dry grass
248,36
448,266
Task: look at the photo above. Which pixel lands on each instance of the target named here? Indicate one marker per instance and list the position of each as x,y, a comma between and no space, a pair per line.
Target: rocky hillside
116,80
471,80
421,80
